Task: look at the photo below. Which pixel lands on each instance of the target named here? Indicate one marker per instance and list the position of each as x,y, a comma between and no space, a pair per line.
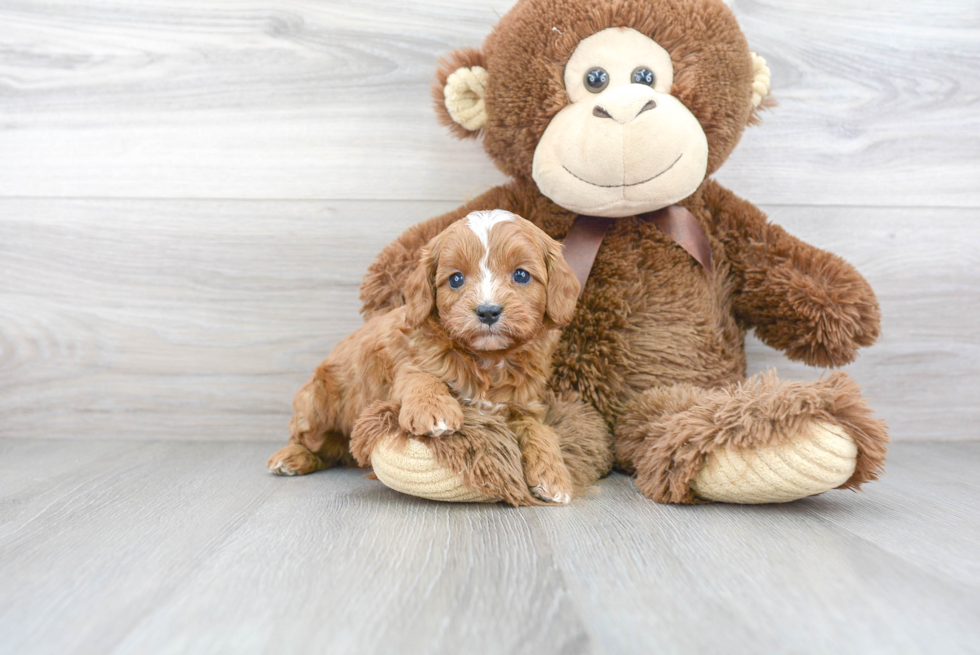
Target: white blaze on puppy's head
491,280
481,222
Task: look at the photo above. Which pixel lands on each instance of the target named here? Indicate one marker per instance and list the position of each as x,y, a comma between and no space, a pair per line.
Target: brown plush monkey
613,109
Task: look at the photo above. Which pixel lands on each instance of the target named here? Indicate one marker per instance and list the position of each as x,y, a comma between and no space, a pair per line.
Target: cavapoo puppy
478,327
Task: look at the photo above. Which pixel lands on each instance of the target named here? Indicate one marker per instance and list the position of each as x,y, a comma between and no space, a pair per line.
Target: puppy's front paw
550,495
431,417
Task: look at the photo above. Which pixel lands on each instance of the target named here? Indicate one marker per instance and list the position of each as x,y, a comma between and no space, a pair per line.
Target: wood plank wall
191,190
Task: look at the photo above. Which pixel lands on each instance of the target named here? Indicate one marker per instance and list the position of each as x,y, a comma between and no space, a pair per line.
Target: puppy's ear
563,286
420,288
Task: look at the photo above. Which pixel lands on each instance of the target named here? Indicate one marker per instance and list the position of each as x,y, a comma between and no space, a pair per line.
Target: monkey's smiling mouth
621,186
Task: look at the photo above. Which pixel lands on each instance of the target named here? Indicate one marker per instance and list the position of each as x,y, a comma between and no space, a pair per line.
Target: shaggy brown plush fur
656,345
667,452
807,302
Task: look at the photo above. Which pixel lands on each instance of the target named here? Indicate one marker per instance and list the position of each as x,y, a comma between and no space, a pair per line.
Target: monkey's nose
489,314
622,113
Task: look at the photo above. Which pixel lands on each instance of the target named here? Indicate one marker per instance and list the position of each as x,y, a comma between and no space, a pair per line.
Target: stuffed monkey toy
610,116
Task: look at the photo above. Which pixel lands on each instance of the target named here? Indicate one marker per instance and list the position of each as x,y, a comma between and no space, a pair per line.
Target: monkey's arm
807,302
381,286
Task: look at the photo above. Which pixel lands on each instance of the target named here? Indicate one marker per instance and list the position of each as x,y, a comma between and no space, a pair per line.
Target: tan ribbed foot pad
412,469
812,463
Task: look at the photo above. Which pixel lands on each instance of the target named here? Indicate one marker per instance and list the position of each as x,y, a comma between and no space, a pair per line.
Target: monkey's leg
761,441
481,462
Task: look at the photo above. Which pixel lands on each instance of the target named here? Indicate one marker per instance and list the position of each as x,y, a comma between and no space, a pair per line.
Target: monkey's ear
761,86
563,286
461,84
420,289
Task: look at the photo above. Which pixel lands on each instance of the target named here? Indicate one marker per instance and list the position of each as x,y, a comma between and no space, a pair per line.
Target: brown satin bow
584,238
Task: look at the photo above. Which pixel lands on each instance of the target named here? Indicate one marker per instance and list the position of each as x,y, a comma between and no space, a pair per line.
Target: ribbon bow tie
584,238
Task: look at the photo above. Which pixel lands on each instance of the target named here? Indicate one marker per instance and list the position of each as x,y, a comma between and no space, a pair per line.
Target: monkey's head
613,108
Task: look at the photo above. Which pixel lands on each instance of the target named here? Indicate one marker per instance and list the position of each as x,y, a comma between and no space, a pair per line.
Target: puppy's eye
456,280
643,75
521,276
596,79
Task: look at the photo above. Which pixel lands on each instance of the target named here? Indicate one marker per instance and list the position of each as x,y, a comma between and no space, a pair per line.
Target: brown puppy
479,325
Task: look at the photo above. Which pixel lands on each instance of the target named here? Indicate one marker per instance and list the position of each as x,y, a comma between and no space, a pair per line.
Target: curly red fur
434,357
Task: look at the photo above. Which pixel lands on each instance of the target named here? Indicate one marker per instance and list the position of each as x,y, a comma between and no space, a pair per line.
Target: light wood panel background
191,190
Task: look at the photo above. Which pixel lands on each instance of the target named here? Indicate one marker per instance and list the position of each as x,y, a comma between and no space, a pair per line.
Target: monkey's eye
521,276
456,280
643,75
596,80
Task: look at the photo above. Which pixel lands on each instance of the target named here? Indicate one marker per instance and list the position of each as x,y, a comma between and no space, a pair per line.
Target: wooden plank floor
182,547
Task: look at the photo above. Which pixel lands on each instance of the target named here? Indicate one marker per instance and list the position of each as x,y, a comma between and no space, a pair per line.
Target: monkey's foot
479,463
413,469
760,441
824,457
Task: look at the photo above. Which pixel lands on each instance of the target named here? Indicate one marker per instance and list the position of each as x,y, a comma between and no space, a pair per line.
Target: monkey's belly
666,331
668,345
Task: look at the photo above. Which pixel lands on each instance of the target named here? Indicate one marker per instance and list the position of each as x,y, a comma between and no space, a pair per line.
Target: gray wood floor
178,547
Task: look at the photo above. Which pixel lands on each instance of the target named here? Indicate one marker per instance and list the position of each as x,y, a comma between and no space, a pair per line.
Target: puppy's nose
489,313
